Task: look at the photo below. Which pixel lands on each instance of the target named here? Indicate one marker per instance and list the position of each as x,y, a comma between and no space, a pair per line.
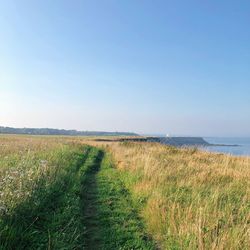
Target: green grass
58,193
72,198
188,199
49,218
112,221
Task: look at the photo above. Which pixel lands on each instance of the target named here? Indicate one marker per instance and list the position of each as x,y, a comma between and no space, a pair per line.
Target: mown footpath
84,206
111,220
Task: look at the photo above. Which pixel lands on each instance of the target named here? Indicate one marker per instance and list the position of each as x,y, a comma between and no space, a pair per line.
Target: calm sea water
243,148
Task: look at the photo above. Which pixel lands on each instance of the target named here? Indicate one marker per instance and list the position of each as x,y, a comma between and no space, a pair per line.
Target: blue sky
177,67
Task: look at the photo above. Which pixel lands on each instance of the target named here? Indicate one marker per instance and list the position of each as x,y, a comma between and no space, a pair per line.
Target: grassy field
188,199
74,193
61,194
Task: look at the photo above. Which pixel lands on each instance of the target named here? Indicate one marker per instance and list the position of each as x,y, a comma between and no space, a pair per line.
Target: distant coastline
129,136
51,131
187,141
173,141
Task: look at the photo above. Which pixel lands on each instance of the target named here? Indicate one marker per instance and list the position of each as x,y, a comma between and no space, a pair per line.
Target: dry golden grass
189,199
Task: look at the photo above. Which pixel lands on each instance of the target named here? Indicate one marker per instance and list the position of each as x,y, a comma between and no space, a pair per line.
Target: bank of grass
57,193
40,202
24,162
188,199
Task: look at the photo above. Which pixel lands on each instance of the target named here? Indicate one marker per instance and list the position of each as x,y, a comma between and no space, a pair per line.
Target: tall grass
59,194
24,162
40,187
189,199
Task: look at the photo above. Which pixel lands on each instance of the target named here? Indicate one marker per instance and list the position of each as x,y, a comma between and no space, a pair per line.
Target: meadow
188,199
76,193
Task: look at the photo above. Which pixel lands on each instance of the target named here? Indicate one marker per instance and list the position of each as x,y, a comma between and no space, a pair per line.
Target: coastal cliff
174,141
180,141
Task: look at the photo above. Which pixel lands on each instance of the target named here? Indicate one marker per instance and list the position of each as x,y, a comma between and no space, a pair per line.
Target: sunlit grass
57,193
39,206
189,199
22,163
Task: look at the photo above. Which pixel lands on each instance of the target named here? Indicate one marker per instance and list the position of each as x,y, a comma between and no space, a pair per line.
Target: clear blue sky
178,67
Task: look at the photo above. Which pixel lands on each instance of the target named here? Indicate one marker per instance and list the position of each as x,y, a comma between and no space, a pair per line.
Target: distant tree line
51,131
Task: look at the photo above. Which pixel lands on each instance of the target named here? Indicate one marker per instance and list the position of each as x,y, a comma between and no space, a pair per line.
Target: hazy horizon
141,134
178,68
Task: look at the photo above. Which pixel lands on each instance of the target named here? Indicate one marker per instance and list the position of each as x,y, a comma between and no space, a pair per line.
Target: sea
242,148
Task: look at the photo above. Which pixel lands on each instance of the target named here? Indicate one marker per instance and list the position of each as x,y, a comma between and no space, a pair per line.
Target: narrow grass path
110,219
92,237
86,206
